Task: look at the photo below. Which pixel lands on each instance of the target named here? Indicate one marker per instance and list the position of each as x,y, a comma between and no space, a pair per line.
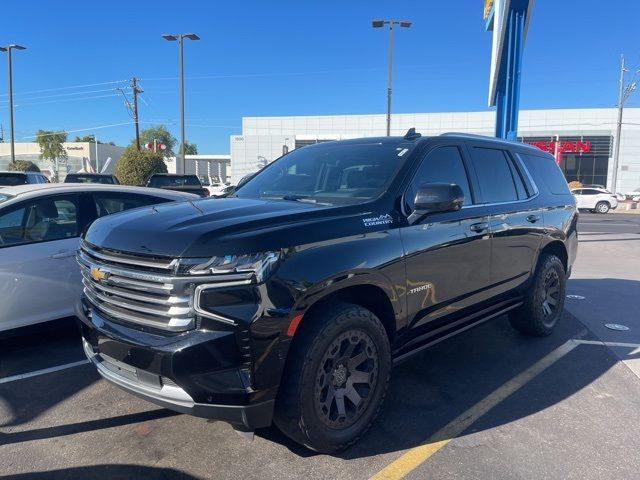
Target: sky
263,58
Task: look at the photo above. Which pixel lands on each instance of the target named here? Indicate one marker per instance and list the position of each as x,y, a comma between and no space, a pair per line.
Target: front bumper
190,373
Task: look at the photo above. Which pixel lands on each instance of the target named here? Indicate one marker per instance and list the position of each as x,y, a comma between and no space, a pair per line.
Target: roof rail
412,134
469,135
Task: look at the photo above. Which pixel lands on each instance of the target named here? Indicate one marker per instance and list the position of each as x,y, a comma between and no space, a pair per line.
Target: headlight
260,264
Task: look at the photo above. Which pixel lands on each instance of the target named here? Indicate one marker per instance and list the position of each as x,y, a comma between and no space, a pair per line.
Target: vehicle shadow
33,349
429,391
105,471
87,426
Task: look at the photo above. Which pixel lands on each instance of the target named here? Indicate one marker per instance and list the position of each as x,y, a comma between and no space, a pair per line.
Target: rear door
515,214
447,254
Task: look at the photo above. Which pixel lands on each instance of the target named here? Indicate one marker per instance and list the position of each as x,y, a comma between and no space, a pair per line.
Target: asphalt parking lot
489,403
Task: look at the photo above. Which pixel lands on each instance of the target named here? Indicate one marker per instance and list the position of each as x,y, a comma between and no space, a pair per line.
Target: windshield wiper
295,198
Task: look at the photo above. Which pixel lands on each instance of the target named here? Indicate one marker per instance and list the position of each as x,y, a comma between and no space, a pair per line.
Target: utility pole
616,155
623,94
136,90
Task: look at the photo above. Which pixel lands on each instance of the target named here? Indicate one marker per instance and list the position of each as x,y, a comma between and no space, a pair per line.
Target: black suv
290,301
11,179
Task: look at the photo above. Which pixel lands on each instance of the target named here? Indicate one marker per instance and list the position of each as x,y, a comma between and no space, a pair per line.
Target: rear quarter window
546,173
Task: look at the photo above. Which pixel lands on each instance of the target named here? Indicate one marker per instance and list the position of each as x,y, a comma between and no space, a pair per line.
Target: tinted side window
545,171
494,175
40,220
442,165
106,203
590,191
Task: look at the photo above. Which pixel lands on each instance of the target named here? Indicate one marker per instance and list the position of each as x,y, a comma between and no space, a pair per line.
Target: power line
85,129
66,88
61,100
64,95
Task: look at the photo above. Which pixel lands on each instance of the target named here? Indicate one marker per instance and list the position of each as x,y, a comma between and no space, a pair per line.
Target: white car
634,195
595,199
40,227
210,183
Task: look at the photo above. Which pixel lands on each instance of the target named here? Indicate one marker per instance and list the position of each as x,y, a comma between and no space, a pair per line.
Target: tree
190,148
135,167
161,135
86,138
51,147
23,166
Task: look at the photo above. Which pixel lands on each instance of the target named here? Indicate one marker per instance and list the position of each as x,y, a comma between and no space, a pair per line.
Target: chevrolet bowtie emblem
98,275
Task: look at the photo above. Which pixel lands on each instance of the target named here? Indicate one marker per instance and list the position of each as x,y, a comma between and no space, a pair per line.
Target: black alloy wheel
347,375
335,378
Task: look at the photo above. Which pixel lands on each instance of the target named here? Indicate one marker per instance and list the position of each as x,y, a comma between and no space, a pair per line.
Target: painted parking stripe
418,455
608,344
42,372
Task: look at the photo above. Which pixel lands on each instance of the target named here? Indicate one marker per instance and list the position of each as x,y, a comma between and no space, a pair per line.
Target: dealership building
79,155
583,140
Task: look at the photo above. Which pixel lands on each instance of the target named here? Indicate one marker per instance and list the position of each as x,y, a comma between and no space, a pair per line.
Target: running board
451,331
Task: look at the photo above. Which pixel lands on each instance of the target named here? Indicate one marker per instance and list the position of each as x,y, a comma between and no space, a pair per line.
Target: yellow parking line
418,455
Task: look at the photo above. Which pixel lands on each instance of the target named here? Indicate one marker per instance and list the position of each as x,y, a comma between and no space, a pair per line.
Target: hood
226,226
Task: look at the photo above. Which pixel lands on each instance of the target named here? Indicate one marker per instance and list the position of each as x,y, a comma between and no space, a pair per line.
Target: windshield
335,173
11,179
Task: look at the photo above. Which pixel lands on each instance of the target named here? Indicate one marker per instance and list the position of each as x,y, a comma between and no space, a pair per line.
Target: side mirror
436,197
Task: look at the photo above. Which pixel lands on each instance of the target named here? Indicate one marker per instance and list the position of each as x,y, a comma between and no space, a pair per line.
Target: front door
447,254
39,278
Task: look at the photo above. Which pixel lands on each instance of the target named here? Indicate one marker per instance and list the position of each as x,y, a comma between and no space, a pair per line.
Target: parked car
634,195
40,228
595,199
8,179
179,183
215,187
290,301
104,178
619,196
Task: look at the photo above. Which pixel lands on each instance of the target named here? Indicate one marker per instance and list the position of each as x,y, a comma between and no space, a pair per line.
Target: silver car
40,227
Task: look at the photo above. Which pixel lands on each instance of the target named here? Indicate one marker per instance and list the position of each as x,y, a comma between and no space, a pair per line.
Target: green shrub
135,167
23,166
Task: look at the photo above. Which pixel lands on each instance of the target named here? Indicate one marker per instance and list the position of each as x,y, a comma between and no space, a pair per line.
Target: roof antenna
412,134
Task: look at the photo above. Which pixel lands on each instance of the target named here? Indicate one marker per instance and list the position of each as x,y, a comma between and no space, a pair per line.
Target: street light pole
390,75
180,164
8,49
182,159
391,23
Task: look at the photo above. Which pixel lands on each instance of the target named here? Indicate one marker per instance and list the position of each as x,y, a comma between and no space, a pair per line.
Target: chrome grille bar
144,290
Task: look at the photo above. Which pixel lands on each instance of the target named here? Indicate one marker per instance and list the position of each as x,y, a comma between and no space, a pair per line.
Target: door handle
64,254
533,218
479,227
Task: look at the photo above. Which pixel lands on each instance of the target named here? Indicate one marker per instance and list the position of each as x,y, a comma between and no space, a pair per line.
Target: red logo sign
563,146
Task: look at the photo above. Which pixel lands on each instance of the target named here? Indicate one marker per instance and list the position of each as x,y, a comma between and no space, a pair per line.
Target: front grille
138,289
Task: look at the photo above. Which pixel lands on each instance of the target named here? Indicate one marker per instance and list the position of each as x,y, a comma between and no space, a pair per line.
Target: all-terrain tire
544,299
335,352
